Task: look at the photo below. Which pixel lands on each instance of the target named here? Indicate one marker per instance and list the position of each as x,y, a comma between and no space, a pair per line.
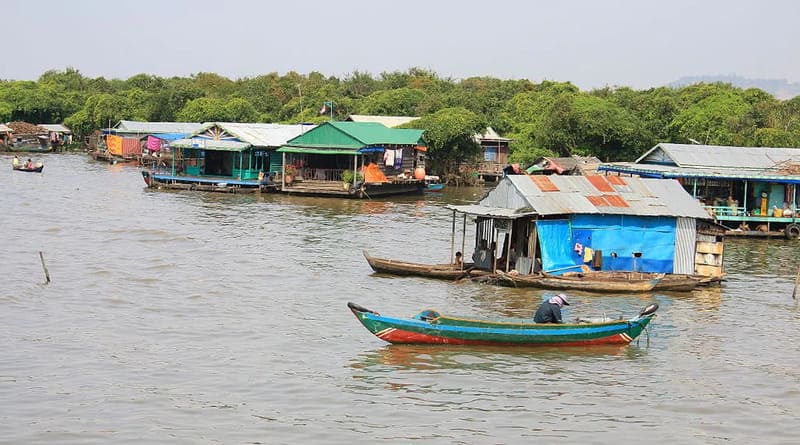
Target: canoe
434,186
36,169
586,283
442,271
432,327
668,282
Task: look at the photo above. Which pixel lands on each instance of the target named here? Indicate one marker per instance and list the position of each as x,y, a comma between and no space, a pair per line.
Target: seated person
550,310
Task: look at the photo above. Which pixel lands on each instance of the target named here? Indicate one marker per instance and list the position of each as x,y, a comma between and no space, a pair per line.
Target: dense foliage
547,118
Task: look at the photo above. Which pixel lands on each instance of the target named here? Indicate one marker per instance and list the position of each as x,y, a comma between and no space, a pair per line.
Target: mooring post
796,281
44,267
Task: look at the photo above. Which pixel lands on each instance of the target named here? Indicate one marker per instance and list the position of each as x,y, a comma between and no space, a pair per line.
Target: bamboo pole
453,240
44,267
796,281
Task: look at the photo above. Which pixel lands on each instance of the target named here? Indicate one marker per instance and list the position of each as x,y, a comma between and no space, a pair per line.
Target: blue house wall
615,237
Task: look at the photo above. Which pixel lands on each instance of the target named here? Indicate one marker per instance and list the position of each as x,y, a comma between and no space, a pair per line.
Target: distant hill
780,88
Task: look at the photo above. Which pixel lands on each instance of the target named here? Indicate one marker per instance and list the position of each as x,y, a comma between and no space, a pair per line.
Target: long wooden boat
432,327
586,283
667,282
36,169
442,271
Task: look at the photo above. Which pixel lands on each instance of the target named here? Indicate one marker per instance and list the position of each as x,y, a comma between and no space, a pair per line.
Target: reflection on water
437,357
180,317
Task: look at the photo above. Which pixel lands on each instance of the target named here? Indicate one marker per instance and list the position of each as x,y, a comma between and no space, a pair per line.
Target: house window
490,154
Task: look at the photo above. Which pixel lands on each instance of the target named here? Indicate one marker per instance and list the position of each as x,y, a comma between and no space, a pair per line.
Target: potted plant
347,179
348,176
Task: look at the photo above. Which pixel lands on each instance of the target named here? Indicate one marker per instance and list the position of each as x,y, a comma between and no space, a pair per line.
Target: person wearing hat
550,310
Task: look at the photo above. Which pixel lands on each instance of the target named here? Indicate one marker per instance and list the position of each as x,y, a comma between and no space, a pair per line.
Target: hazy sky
636,43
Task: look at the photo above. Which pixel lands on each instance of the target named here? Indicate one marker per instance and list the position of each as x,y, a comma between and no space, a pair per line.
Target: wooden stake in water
796,281
46,273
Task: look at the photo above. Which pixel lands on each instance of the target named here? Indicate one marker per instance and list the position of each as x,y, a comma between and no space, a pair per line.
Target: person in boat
29,164
15,162
550,310
459,260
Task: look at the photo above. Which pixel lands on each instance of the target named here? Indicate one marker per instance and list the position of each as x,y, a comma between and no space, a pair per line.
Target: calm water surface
186,318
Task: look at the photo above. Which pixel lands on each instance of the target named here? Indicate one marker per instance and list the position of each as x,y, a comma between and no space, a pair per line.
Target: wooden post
46,273
453,241
796,281
463,238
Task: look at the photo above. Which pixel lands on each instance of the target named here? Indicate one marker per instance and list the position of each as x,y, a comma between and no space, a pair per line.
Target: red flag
324,109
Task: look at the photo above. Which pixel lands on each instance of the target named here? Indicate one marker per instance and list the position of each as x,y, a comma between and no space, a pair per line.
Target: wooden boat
586,283
668,282
442,271
36,169
434,186
432,327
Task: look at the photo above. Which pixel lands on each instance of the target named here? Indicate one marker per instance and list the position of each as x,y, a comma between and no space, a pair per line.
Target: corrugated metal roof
389,121
719,156
356,135
581,195
128,127
489,135
55,127
210,144
671,171
257,134
492,212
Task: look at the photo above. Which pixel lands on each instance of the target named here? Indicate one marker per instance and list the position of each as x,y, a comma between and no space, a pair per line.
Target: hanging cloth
388,157
398,158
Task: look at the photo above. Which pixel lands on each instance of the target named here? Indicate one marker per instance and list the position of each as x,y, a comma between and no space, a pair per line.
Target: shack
494,152
558,224
57,135
752,191
354,159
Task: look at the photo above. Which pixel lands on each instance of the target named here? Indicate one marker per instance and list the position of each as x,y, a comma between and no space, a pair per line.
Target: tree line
543,119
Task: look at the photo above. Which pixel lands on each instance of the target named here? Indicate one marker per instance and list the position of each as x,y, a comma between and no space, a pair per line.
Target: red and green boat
432,327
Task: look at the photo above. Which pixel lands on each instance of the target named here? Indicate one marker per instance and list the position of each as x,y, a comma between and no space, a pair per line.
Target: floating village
656,223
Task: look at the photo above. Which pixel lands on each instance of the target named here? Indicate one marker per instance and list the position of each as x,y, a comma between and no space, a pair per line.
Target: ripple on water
193,317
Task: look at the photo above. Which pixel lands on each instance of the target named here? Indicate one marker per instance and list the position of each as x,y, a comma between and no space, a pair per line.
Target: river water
193,318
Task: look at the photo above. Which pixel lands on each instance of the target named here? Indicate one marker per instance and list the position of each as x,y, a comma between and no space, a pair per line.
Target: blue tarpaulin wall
563,243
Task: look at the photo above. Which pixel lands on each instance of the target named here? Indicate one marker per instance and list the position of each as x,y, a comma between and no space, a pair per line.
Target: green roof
355,135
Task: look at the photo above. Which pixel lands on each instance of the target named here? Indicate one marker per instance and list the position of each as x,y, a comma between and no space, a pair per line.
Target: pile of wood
20,128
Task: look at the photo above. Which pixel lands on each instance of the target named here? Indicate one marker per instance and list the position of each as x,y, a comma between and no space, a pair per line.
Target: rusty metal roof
563,195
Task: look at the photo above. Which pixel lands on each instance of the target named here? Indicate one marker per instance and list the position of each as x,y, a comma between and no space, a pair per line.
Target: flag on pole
324,109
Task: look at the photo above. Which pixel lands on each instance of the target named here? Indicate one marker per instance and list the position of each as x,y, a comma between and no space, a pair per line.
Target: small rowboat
36,169
442,271
432,327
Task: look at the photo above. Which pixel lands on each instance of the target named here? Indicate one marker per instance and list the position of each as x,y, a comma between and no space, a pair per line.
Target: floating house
750,190
28,137
57,135
128,141
5,134
495,152
226,156
354,159
558,224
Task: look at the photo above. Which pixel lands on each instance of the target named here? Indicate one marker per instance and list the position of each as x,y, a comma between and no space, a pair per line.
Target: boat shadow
434,357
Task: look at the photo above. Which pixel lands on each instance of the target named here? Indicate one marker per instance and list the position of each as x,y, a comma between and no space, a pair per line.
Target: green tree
449,134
